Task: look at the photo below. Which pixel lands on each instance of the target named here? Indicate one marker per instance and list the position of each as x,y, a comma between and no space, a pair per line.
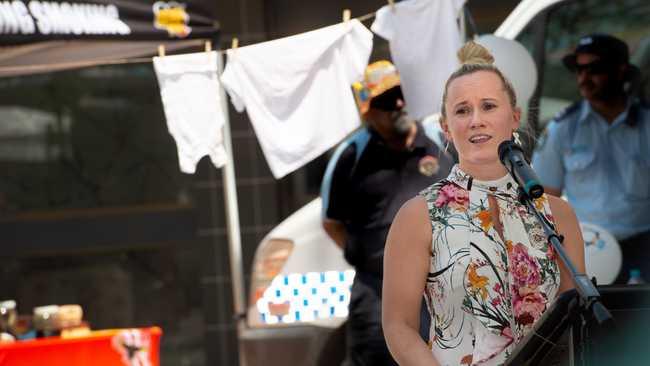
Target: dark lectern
567,335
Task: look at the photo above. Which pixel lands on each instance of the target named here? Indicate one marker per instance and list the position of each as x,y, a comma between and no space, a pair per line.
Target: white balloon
603,256
515,62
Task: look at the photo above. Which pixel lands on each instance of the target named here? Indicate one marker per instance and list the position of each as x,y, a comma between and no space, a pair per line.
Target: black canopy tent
44,36
39,37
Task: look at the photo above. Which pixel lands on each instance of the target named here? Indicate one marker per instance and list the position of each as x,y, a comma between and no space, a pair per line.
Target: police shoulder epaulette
574,107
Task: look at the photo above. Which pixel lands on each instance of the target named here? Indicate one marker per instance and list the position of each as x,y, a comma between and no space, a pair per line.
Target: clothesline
137,60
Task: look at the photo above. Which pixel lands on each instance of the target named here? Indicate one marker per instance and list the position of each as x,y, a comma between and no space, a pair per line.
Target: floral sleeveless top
489,279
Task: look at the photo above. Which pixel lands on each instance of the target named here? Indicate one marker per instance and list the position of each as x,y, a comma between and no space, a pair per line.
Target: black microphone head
504,147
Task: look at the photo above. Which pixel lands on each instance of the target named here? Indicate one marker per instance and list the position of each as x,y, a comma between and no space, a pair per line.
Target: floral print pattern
492,272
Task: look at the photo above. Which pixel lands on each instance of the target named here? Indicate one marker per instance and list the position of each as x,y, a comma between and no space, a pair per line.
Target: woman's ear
516,117
445,128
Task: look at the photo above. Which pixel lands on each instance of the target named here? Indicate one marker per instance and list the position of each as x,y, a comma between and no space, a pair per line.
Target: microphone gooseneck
512,157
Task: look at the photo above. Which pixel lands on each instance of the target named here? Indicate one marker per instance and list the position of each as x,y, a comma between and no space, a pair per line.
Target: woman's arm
406,265
567,225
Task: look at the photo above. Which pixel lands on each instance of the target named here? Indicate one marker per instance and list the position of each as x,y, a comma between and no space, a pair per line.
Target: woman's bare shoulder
411,224
565,217
560,207
414,210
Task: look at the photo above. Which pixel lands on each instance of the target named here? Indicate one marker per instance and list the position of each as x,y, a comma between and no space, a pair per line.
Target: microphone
512,156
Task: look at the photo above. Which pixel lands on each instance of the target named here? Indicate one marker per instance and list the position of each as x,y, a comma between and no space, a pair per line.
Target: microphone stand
583,303
589,297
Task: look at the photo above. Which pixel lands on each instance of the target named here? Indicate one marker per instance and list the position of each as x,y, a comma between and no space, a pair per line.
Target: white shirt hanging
424,38
189,87
297,92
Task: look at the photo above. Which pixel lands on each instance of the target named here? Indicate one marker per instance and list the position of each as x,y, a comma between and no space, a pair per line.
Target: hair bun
474,54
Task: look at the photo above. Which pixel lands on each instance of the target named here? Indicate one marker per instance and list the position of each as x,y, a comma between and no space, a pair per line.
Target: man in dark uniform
367,180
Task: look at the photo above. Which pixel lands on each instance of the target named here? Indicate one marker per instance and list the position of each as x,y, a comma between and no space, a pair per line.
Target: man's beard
402,123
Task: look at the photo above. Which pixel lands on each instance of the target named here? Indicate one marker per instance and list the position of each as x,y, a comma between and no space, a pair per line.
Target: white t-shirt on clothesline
297,92
424,38
189,87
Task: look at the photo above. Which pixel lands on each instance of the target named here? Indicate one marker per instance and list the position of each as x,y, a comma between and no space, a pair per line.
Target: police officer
368,178
597,150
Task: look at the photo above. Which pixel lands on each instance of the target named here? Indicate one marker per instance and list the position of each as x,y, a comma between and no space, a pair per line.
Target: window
87,138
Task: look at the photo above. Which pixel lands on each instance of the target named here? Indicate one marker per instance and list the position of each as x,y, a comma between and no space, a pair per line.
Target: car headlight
267,265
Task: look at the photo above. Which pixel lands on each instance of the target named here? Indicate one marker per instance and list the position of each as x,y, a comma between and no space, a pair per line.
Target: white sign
56,18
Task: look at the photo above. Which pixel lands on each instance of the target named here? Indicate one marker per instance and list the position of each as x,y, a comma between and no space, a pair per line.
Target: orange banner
115,347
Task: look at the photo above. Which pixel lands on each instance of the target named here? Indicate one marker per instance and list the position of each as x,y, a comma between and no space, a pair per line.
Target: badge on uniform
428,165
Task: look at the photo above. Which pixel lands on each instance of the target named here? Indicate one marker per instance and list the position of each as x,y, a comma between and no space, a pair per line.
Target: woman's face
479,117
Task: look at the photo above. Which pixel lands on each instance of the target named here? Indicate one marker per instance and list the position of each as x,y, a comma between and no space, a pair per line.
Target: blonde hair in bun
473,53
473,58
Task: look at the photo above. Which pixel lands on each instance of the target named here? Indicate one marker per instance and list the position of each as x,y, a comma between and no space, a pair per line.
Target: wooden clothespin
235,43
161,50
208,46
346,15
391,3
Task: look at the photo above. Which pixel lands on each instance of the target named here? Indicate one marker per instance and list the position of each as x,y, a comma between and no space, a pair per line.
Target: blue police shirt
603,169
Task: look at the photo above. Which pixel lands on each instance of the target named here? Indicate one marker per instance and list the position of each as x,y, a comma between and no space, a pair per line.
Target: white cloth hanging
424,38
297,92
189,87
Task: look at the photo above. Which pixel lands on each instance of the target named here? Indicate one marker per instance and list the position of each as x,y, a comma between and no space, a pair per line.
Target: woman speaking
479,257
